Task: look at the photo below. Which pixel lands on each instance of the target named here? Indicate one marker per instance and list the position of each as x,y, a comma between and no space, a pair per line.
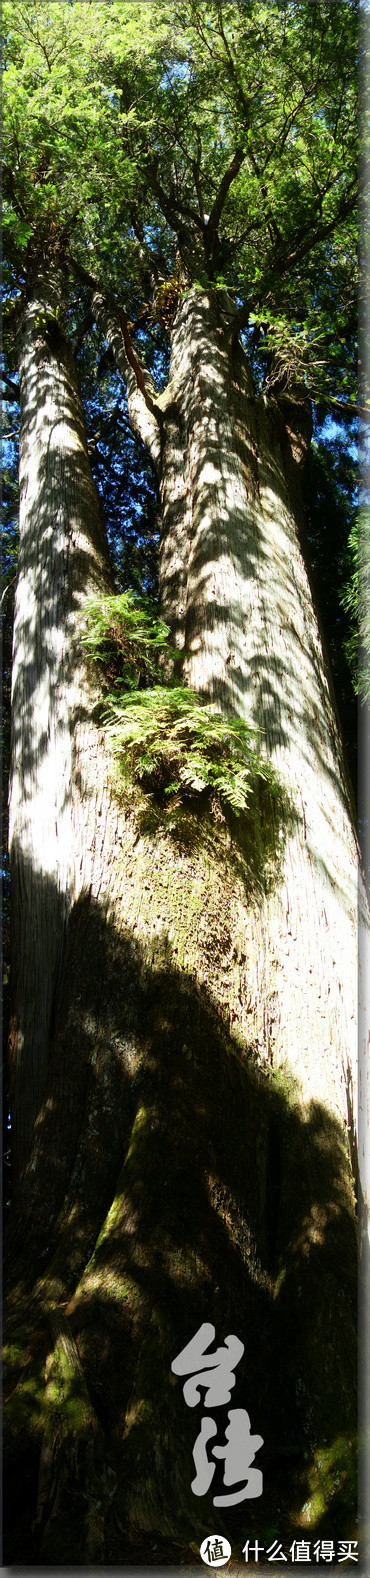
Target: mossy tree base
215,1194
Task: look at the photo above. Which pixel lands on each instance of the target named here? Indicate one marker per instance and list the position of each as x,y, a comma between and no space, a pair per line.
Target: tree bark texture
252,645
190,1158
62,558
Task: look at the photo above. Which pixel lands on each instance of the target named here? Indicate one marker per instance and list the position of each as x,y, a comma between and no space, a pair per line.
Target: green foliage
221,140
349,599
177,744
356,600
125,635
167,299
174,743
219,146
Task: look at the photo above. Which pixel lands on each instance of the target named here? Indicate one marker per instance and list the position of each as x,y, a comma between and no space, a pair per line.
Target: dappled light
62,553
196,1175
180,211
251,643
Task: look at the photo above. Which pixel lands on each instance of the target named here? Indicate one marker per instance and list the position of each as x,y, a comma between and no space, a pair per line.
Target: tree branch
14,388
171,207
119,310
87,323
233,72
196,168
229,176
346,206
9,183
153,263
281,264
145,415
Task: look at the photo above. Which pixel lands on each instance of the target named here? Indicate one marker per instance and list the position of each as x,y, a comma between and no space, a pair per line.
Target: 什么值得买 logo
215,1550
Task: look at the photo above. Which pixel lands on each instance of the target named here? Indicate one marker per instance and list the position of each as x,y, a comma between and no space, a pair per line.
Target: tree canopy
221,141
218,144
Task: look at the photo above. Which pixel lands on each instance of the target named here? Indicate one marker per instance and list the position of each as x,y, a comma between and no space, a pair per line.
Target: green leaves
123,133
126,637
61,142
176,744
170,740
19,228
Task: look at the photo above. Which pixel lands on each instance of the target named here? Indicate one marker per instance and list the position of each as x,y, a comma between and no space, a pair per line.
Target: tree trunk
252,645
190,1158
62,558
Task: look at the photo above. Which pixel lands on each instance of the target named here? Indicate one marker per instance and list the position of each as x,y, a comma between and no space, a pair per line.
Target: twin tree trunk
183,1049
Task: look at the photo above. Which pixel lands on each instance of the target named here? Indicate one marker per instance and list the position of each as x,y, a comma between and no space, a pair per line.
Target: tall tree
184,863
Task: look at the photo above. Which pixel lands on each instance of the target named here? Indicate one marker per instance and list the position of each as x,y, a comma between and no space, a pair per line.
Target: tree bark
190,1156
252,645
63,557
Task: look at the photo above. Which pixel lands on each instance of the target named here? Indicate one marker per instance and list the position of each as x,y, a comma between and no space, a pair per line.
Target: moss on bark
232,1203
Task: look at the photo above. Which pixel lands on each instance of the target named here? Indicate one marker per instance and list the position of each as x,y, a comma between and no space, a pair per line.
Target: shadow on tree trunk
172,1181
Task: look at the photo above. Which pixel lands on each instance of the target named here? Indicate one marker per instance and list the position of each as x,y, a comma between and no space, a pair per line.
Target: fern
170,740
126,637
175,742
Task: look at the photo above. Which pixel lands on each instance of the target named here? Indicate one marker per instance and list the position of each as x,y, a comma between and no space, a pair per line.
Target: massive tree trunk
190,1160
252,644
62,558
